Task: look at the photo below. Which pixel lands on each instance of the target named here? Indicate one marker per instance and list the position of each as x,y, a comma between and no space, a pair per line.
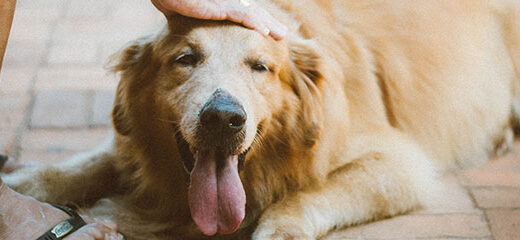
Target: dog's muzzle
221,127
221,123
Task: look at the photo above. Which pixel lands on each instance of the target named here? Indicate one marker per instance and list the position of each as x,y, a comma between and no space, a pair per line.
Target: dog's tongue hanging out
216,196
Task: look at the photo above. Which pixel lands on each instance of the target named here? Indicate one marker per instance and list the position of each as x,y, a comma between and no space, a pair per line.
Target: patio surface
55,100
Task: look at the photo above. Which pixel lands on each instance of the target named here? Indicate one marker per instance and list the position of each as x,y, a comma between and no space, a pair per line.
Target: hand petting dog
245,12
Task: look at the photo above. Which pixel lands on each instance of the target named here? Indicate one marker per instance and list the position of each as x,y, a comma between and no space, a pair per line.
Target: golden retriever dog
221,133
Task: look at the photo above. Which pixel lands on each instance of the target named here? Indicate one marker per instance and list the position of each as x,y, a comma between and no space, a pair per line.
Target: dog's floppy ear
129,63
120,119
130,56
306,75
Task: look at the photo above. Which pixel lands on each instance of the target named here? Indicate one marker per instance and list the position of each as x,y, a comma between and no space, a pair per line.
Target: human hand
245,12
24,217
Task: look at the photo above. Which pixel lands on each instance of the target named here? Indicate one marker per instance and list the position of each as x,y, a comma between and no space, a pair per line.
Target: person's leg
6,19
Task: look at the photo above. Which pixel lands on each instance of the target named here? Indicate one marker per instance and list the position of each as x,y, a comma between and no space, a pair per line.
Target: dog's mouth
216,195
188,154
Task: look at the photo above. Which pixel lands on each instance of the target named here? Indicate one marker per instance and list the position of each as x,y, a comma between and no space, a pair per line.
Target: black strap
64,228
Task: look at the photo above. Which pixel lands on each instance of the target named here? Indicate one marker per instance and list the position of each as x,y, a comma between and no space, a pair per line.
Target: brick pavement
55,98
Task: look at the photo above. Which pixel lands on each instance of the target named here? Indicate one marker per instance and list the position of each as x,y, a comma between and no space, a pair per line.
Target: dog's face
220,82
213,88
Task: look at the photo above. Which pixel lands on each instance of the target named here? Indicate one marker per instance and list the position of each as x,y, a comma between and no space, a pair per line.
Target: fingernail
284,30
245,3
266,32
281,31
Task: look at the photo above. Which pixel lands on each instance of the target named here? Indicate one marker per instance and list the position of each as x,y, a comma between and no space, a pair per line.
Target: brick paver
15,81
60,109
102,108
74,78
497,197
28,55
427,226
7,140
505,223
55,140
505,172
13,109
453,199
72,54
56,96
44,157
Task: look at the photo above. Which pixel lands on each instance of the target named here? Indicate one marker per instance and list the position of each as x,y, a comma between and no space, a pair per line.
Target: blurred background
55,92
56,97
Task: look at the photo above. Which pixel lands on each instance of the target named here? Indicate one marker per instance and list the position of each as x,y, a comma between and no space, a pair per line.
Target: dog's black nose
222,116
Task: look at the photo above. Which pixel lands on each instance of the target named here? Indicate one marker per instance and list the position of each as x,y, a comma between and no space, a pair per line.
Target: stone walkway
56,96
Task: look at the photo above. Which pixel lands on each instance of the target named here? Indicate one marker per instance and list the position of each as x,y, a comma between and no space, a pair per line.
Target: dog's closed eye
186,59
260,66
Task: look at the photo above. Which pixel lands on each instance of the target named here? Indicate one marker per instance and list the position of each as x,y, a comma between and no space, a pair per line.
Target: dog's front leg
378,184
81,179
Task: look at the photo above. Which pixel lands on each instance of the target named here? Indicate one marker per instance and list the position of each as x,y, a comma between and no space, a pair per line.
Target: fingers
258,19
245,12
276,29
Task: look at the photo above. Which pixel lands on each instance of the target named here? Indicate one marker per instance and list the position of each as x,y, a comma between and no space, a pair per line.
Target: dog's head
212,90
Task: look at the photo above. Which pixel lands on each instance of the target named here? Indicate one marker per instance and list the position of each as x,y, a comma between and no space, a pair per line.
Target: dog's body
348,119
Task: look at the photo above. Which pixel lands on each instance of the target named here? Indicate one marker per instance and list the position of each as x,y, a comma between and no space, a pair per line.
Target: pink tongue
216,197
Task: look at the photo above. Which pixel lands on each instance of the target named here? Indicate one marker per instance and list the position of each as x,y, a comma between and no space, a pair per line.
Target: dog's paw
286,230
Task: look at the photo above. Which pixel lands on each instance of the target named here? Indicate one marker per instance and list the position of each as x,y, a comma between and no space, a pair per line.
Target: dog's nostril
236,122
215,118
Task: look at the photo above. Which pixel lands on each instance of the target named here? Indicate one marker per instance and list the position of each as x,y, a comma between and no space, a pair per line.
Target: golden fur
364,103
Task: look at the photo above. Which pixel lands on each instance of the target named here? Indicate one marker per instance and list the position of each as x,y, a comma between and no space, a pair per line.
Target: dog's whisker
259,139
